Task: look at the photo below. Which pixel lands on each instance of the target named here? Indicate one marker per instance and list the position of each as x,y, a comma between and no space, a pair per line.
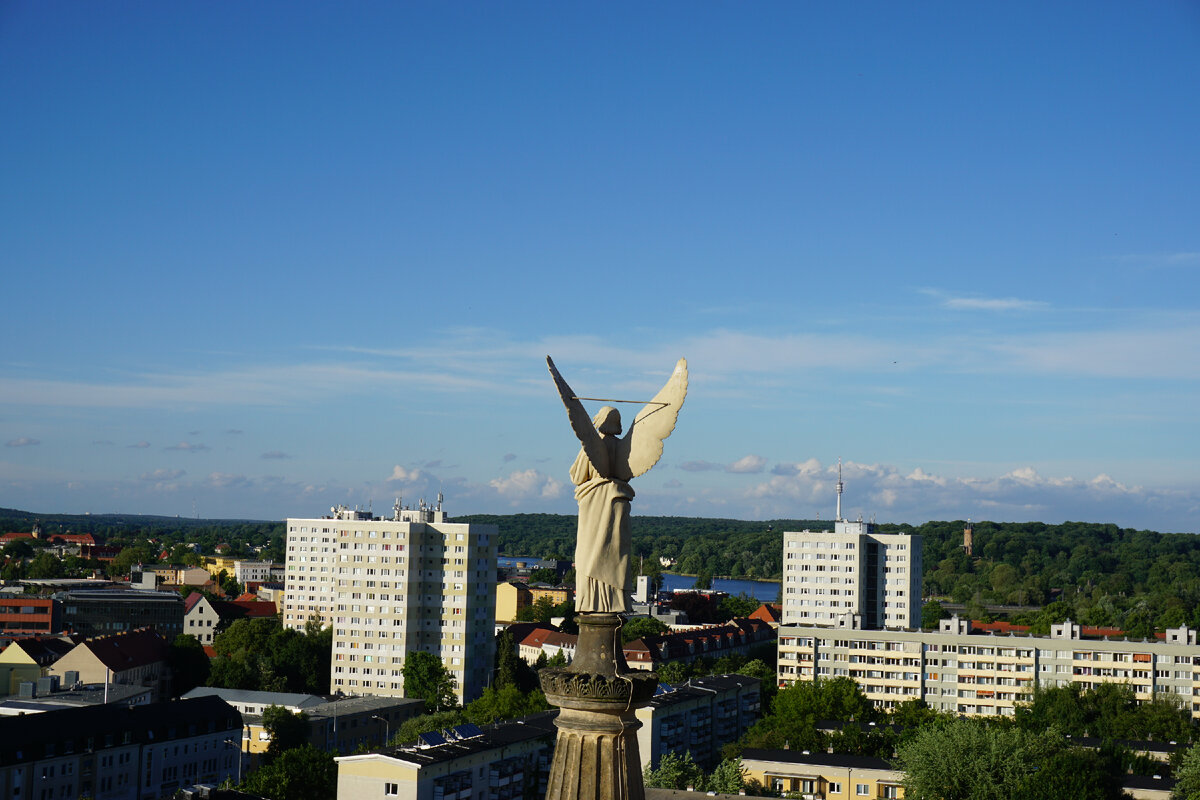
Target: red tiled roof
537,638
768,612
190,601
124,651
248,597
256,608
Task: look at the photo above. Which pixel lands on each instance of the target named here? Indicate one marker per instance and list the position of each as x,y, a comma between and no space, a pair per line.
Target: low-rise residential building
111,752
960,669
698,717
737,637
28,659
257,572
511,597
343,725
547,641
136,658
205,618
830,776
508,760
555,594
650,652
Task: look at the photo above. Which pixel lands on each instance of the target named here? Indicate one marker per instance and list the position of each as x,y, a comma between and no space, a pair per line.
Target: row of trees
1032,754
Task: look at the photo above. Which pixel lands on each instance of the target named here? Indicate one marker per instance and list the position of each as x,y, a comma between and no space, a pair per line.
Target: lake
766,591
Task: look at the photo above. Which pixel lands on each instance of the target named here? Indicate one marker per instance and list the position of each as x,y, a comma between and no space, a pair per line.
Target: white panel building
393,586
852,577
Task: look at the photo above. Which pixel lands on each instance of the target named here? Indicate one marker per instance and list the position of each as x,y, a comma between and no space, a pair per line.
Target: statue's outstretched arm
642,445
581,423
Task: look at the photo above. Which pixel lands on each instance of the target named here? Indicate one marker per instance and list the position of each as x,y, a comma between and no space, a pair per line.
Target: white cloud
275,454
977,303
809,467
187,447
162,475
523,484
24,441
747,464
699,466
224,480
402,475
1020,494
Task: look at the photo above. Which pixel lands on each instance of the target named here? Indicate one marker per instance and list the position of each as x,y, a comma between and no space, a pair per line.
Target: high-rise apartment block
389,587
852,577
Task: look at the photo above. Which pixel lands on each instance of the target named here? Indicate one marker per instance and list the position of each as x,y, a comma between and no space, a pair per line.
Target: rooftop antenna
840,486
396,509
440,499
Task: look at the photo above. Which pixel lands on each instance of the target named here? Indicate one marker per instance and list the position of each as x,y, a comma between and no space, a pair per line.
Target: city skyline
264,260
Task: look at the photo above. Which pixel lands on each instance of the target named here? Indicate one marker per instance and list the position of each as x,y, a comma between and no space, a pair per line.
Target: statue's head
608,421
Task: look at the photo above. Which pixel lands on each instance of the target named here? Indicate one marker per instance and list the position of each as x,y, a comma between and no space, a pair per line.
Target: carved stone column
596,753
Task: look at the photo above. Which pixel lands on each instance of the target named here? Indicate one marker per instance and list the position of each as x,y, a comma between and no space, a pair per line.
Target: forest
1028,572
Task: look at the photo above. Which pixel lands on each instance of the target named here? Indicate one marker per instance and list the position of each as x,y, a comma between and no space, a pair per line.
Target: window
835,787
861,789
391,789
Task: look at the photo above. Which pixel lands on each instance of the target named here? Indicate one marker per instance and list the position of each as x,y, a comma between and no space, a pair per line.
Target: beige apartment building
970,672
389,587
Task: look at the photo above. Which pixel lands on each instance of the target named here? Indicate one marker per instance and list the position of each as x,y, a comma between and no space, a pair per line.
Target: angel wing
642,445
581,423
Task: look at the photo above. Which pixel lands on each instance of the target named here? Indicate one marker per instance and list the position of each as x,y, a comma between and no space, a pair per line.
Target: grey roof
816,759
91,695
354,705
532,727
23,739
287,699
702,687
1163,782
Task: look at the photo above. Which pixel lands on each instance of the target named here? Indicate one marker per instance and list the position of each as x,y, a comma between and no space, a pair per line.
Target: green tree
738,607
974,759
288,730
504,703
17,548
188,662
413,727
798,708
931,614
426,678
1187,775
302,773
545,575
674,772
45,565
729,777
128,557
637,627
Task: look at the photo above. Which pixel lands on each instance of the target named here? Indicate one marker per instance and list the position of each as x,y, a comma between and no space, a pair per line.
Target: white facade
256,571
852,577
975,673
394,586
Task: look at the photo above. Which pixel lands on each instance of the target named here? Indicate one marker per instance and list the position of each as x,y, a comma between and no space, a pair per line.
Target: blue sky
261,258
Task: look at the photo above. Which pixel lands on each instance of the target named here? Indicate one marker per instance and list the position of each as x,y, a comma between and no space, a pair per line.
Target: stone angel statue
607,461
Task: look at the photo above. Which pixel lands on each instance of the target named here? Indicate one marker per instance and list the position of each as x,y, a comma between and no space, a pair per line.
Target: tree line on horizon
1093,573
